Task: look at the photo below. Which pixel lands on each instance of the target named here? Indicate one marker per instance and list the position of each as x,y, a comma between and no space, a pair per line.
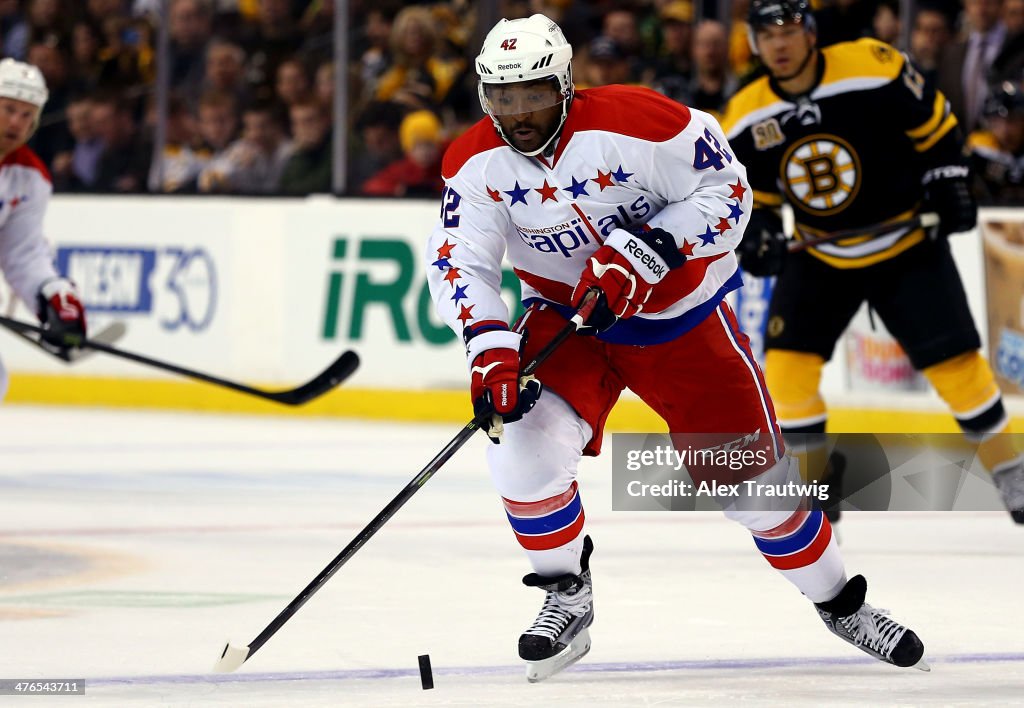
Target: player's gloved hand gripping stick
341,369
232,657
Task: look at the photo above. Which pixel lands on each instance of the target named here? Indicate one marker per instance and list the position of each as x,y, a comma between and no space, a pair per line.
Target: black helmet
777,12
1005,99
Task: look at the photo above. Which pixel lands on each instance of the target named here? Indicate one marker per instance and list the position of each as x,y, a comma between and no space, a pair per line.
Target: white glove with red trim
61,312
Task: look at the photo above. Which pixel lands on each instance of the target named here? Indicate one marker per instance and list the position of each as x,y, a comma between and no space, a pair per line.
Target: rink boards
271,291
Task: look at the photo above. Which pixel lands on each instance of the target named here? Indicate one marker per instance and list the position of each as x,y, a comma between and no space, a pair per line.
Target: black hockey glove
948,194
60,310
762,251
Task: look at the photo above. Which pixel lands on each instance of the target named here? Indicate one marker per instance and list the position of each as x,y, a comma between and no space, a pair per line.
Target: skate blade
921,665
537,671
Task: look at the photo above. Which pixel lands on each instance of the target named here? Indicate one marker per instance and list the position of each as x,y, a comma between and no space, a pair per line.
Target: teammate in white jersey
623,190
25,189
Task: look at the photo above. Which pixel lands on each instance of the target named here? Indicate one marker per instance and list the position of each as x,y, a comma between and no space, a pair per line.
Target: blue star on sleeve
708,236
735,212
460,293
441,264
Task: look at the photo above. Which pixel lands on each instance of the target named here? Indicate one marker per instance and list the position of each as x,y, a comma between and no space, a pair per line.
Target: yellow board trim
381,404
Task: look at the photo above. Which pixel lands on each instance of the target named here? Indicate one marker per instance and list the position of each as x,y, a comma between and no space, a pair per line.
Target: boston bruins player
852,136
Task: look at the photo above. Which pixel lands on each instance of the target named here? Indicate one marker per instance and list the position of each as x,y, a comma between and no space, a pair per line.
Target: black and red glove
498,393
61,313
625,269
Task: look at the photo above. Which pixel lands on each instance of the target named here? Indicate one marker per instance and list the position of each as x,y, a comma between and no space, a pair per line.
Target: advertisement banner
1003,244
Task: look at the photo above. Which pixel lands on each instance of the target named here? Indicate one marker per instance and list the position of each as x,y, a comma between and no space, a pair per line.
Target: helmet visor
521,97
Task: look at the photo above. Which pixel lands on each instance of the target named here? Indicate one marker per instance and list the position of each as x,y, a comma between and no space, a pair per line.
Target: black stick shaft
410,489
870,231
80,343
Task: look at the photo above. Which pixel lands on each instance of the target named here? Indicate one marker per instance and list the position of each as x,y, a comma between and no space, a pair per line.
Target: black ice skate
558,637
1010,483
871,630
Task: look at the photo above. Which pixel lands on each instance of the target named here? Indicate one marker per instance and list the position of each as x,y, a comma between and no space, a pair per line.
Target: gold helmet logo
821,174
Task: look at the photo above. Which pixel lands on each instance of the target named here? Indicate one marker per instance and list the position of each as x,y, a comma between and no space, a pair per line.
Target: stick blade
231,658
343,367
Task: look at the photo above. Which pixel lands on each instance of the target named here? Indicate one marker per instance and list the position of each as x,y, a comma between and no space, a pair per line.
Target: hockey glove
61,312
762,251
497,391
948,194
625,269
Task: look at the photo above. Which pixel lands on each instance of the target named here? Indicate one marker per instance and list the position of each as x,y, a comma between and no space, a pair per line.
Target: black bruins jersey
851,152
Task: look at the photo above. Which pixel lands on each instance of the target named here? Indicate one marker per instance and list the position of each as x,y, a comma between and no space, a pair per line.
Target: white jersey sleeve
703,186
464,254
26,258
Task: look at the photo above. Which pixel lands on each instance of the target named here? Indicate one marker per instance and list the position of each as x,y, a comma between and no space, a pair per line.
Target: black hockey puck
426,675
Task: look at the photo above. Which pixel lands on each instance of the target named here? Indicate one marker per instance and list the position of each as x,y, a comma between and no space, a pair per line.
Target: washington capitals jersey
25,256
850,153
627,158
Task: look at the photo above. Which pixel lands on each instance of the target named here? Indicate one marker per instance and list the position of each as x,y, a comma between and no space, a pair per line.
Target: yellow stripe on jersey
766,199
928,127
862,59
862,258
979,139
947,125
755,95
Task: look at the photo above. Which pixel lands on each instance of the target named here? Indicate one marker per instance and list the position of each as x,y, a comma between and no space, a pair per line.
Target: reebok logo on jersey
654,264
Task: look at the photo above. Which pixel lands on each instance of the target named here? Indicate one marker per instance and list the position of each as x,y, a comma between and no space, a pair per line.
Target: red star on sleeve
445,251
547,192
687,249
466,314
495,194
604,179
723,225
738,190
452,275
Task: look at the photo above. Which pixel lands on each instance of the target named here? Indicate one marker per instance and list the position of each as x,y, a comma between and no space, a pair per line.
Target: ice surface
133,545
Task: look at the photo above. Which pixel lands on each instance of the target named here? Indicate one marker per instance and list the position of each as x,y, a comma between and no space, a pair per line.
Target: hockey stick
233,657
341,369
111,334
926,221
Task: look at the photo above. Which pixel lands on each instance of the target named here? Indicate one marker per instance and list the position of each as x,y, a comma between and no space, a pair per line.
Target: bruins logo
775,326
821,173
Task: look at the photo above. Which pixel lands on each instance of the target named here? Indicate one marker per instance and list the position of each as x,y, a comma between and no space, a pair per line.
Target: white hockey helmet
23,82
525,50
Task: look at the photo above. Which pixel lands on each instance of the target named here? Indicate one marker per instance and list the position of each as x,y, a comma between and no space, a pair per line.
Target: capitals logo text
566,237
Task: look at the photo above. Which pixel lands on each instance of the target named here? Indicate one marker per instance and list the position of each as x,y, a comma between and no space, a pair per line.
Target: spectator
124,162
308,170
845,21
712,82
102,10
931,32
418,78
378,145
293,84
620,26
218,121
418,173
225,70
86,43
13,30
190,24
965,64
253,164
127,59
323,85
272,39
1009,64
886,22
48,18
997,154
182,158
674,64
52,135
77,169
375,57
1013,17
607,63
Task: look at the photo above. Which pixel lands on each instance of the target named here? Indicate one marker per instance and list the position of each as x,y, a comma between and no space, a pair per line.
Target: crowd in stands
250,109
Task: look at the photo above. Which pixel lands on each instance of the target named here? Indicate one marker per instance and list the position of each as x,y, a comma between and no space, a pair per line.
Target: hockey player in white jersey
25,189
623,190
